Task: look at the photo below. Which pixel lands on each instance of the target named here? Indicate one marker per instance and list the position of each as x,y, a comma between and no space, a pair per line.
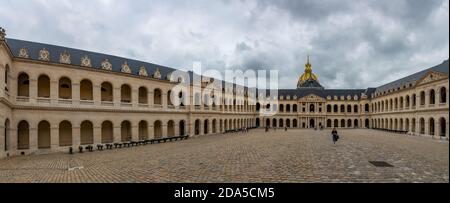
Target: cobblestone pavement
293,156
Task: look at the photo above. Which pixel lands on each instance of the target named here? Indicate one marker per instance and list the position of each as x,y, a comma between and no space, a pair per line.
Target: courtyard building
53,98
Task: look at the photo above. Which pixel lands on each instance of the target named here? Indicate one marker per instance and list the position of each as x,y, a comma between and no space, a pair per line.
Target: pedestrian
334,135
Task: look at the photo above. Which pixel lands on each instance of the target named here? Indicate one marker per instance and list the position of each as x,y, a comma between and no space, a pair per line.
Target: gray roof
324,93
76,55
412,79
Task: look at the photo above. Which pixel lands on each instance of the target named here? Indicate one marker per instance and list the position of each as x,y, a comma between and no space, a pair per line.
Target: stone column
54,136
164,99
13,140
2,138
116,96
151,131
97,94
117,132
76,93
135,96
177,129
54,91
76,136
164,130
97,134
33,90
33,136
135,132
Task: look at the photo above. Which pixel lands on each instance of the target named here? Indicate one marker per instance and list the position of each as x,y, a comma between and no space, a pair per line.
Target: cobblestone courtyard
293,156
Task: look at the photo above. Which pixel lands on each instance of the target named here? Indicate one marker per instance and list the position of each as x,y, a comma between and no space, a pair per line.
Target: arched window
182,127
442,127
414,99
171,128
86,133
125,94
328,108
107,132
312,108
23,85
349,109
65,134
44,86
422,98
125,131
143,95
432,97
329,123
23,135
44,135
157,128
294,108
107,92
6,77
355,108
281,108
143,130
342,109
65,88
366,108
443,95
432,127
335,108
157,97
86,91
288,108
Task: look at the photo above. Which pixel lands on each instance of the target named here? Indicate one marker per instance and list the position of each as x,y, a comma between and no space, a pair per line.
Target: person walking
334,135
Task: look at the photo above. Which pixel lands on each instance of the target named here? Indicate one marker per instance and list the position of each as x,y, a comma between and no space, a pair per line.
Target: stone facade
48,107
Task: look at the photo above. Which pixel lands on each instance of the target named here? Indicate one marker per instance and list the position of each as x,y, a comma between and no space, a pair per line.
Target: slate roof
412,79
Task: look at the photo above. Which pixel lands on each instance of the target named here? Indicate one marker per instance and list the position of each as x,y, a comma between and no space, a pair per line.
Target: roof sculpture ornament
125,68
44,55
106,65
143,71
86,61
157,74
2,34
64,57
308,79
23,53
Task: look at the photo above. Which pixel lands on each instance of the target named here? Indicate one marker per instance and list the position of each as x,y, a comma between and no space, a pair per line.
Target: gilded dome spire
308,77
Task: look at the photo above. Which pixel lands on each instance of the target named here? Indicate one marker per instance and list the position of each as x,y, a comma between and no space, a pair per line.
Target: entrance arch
312,123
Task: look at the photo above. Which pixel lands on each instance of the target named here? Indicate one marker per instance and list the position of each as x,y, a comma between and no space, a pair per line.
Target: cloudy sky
353,44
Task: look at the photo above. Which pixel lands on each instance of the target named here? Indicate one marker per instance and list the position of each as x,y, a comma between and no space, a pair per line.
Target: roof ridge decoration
23,53
106,65
157,74
2,34
125,68
86,61
143,71
44,55
64,57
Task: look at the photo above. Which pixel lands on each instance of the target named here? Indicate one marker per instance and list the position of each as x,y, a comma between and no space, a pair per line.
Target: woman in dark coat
335,136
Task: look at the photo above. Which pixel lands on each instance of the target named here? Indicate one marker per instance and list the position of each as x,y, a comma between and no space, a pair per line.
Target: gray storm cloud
353,44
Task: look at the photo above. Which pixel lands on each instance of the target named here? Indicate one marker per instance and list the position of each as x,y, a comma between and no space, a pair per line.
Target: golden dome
307,75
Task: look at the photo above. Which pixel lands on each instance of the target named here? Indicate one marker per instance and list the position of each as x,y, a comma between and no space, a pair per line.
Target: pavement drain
381,164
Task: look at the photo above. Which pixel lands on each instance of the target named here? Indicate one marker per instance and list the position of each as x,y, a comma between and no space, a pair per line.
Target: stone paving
294,156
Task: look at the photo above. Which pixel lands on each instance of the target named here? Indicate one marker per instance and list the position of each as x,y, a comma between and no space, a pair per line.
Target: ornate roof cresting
86,61
44,55
143,71
64,57
106,65
125,68
2,34
23,53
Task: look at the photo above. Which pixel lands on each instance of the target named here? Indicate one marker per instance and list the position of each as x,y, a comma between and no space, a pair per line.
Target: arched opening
407,101
44,86
312,123
443,95
414,100
355,123
281,124
443,127
432,127
197,127
432,96
267,122
65,134
143,130
281,108
274,123
355,108
257,122
349,108
107,132
7,134
143,95
335,108
65,88
336,123
86,90
329,123
413,125
294,108
342,123
157,97
349,123
157,128
225,122
6,77
422,125
87,133
107,92
288,108
366,107
169,98
258,106
295,123
206,126
23,135
23,85
44,135
182,128
407,125
422,98
288,123
214,126
171,128
125,131
125,94
342,109
328,108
